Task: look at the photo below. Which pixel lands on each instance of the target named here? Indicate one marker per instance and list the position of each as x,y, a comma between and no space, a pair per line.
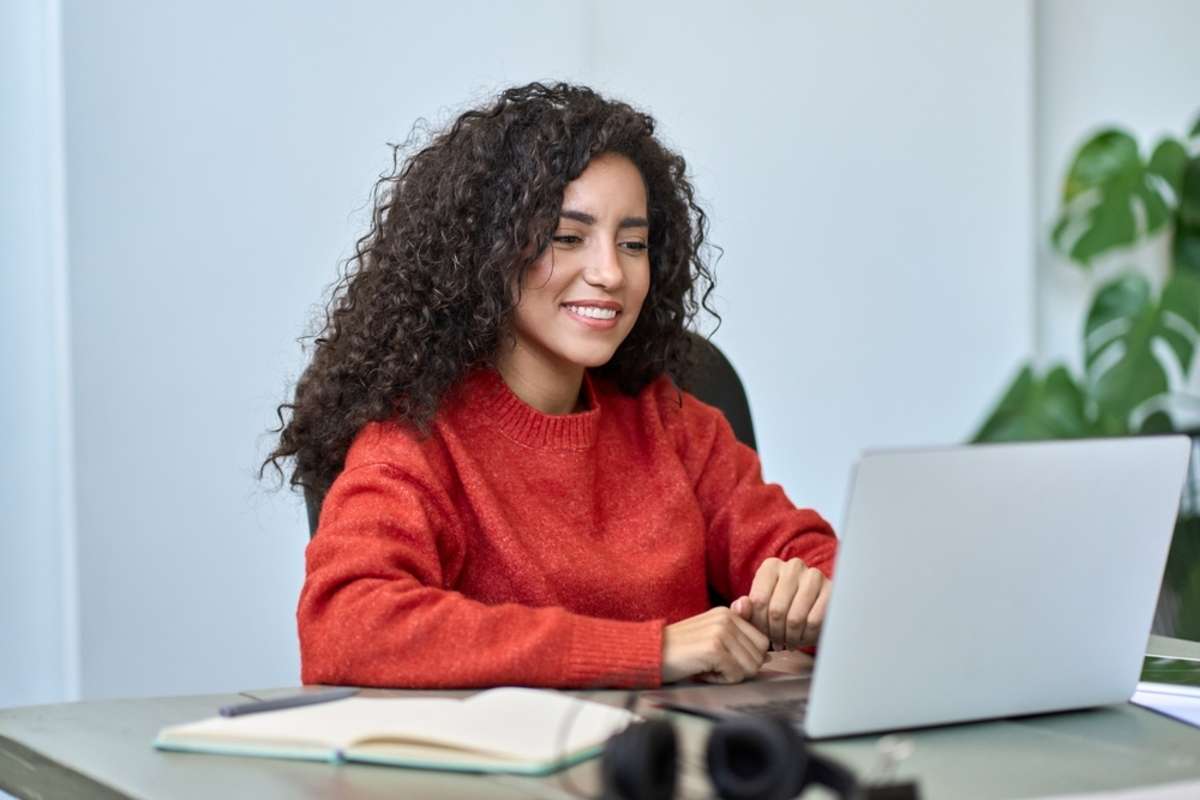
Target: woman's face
581,297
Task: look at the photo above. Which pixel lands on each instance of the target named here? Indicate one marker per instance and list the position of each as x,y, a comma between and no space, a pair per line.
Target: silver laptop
981,582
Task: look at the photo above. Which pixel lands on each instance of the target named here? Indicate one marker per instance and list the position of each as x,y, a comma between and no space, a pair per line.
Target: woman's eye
635,246
567,238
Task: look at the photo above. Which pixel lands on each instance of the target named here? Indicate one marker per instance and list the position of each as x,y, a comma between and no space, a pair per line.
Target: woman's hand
787,602
718,646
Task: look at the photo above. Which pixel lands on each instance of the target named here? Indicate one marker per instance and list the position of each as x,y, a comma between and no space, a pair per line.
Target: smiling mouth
592,312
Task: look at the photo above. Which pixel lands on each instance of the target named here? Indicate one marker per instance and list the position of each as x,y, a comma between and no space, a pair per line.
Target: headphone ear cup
641,762
756,758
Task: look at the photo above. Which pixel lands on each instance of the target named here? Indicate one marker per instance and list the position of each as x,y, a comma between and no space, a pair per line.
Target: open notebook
522,731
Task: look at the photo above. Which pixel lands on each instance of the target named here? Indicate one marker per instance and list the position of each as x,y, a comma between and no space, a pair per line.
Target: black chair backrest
712,379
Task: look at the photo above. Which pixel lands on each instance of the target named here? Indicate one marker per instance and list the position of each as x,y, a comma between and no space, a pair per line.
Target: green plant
1113,199
1138,345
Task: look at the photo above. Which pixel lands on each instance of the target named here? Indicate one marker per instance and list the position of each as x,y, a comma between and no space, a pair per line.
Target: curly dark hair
429,292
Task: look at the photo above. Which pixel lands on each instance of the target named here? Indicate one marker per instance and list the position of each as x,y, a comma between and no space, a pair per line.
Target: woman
517,491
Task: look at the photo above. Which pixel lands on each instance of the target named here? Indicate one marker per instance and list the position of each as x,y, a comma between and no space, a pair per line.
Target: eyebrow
588,219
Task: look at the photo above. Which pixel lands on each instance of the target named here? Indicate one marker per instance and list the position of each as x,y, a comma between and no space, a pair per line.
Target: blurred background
180,182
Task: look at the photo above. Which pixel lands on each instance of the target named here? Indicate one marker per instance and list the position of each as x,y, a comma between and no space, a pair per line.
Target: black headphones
748,758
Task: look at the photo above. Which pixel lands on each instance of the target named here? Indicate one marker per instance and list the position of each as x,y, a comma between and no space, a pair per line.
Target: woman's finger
761,590
754,637
748,658
781,601
807,592
816,617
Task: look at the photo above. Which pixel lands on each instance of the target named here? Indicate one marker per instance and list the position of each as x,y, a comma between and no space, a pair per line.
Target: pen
292,701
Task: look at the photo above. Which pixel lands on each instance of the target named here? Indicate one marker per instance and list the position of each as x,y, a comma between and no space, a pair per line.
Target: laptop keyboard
785,707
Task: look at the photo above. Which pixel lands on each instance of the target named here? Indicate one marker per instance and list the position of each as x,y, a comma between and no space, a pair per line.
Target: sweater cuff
614,653
823,559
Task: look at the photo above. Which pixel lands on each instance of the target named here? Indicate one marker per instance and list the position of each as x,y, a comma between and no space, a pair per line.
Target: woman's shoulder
400,441
398,445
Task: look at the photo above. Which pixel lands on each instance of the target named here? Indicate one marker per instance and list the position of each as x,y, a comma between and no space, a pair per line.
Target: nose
604,268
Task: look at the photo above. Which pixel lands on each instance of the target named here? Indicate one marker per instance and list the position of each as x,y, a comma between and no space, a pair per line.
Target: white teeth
593,312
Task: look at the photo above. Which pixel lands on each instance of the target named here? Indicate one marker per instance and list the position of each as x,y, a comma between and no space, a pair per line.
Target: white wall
221,157
38,658
867,167
1103,63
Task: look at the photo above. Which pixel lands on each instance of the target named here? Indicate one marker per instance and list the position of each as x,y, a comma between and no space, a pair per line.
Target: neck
550,388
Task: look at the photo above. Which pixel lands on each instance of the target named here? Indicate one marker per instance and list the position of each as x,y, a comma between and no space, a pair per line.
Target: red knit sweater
515,547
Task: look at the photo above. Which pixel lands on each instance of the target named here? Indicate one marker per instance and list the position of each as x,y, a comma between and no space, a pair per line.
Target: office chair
712,379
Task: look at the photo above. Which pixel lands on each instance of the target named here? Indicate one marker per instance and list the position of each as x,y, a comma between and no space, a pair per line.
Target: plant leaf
1034,408
1110,224
1156,208
1158,422
1168,162
1062,405
1000,424
1189,195
1107,155
1179,311
1122,370
1109,425
1185,252
1102,184
1122,300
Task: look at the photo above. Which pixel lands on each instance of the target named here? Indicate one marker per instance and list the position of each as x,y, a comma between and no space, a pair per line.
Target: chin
592,363
590,357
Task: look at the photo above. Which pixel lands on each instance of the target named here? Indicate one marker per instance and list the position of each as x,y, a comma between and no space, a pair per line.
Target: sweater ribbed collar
488,397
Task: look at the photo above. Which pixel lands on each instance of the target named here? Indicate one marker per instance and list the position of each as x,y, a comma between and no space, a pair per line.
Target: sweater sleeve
376,608
748,520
